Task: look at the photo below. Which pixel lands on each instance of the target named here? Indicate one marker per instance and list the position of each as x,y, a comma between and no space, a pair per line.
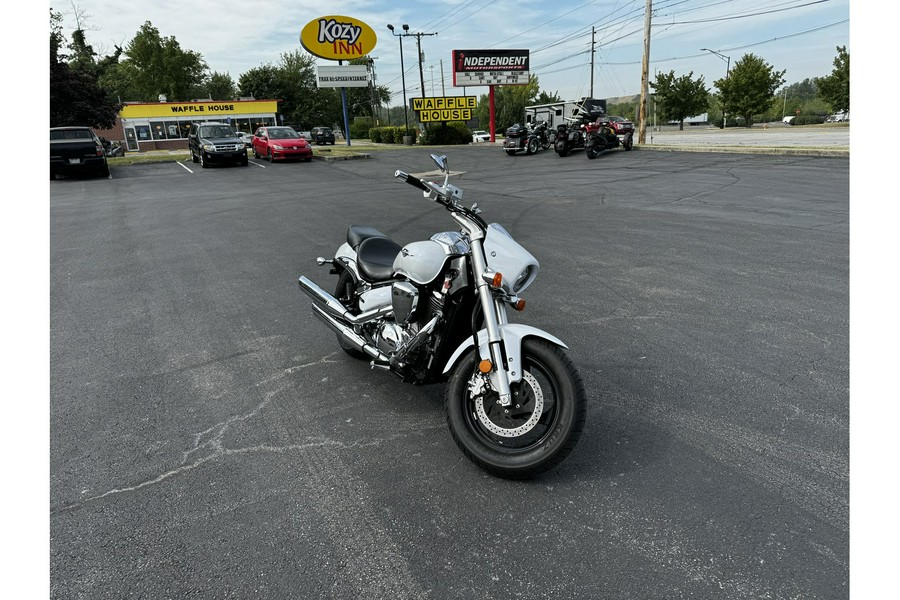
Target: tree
75,96
749,88
835,89
154,65
219,86
545,98
680,97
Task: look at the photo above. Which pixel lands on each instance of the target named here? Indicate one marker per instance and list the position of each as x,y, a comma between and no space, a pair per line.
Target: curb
360,156
780,150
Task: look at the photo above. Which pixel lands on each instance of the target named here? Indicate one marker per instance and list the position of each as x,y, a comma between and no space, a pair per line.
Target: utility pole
421,57
593,31
645,74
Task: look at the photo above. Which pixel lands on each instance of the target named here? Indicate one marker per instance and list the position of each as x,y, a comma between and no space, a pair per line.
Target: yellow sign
198,109
443,108
338,38
448,114
442,103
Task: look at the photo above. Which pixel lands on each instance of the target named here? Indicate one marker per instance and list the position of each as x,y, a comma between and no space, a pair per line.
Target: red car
280,143
620,126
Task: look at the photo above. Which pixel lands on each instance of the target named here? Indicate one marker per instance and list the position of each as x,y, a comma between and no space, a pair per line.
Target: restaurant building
144,126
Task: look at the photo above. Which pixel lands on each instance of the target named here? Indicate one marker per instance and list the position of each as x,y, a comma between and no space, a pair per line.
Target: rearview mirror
440,161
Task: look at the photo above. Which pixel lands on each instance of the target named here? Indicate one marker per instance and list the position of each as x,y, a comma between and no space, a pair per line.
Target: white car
247,137
481,136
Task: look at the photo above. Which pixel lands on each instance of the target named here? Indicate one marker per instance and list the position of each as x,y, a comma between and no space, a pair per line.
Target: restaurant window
172,131
185,127
158,130
143,132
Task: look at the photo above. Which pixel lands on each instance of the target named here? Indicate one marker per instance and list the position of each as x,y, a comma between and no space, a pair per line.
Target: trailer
556,113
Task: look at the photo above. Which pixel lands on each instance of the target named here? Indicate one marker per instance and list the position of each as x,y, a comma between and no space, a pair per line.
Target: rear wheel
346,285
533,146
536,431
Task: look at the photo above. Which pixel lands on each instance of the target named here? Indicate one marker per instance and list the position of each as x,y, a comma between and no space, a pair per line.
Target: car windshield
282,133
217,131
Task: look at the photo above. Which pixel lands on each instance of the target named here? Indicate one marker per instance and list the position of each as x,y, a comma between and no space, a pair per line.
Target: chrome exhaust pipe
352,338
331,306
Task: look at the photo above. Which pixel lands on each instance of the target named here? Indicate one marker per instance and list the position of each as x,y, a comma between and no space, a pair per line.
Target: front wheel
533,146
561,148
628,142
536,431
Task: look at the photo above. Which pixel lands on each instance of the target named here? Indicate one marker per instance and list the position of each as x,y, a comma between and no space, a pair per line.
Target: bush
808,120
455,132
360,128
388,135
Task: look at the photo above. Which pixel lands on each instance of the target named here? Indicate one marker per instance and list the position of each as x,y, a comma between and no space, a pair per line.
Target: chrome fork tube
491,321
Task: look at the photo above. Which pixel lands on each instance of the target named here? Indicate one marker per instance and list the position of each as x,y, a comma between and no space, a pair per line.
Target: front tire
533,146
537,431
561,148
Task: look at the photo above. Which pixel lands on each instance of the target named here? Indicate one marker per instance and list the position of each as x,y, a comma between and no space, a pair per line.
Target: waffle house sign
338,38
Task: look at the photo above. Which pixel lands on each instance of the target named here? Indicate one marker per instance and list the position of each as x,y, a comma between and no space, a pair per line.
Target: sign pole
491,106
346,117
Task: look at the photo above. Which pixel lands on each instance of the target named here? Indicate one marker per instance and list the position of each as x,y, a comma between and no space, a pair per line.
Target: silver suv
216,143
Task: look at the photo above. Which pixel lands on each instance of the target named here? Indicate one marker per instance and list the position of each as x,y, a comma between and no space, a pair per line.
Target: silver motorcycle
437,311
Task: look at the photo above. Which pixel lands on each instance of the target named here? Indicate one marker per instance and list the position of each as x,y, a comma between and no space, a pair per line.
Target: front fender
512,335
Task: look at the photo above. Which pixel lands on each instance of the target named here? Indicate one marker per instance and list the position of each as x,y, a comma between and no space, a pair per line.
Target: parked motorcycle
437,311
526,138
601,136
570,136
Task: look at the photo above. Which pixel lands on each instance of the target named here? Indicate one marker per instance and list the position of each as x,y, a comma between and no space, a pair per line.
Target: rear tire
537,431
533,146
344,294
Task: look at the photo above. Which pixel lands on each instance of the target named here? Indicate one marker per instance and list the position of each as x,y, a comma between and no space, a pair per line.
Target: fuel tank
421,262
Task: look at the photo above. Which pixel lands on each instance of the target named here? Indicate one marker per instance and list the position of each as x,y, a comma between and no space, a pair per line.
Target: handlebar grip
411,180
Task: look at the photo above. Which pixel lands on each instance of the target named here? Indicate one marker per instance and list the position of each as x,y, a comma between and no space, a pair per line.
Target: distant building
143,126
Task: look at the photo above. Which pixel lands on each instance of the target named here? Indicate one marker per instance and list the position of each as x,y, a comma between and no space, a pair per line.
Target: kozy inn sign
440,109
338,38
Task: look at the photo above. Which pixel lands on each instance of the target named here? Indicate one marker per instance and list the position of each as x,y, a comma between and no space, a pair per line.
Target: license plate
74,161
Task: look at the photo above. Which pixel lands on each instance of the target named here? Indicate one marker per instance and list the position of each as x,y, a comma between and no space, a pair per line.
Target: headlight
524,279
278,146
209,147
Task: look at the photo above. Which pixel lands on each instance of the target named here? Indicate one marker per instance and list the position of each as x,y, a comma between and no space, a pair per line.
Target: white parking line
253,162
178,162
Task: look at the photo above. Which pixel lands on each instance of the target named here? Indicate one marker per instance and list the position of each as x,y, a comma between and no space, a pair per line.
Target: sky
234,36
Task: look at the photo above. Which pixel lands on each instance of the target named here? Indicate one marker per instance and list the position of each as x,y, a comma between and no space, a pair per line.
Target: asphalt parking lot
209,439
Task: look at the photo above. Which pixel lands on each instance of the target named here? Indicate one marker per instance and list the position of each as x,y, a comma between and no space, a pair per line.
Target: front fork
494,314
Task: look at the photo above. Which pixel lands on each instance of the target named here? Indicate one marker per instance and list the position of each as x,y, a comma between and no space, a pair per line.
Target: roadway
210,440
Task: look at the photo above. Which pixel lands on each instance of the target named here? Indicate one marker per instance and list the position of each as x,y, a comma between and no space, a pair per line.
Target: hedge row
389,135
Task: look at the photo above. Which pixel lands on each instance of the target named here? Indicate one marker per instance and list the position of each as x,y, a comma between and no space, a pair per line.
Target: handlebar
411,180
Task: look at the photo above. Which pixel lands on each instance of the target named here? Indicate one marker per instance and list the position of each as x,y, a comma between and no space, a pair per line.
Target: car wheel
255,153
269,156
203,162
194,158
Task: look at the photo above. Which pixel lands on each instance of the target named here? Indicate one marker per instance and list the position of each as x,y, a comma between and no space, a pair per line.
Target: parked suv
216,143
322,135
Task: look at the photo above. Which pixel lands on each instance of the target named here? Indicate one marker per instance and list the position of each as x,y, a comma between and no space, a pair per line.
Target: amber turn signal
497,281
519,304
485,366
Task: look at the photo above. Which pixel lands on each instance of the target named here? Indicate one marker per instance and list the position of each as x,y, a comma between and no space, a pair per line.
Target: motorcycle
570,137
529,138
600,136
437,311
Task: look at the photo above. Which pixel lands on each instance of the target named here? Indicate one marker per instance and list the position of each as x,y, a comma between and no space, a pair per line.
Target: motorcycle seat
356,234
375,258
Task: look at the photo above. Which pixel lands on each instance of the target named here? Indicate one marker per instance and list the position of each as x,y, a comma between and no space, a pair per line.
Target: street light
402,74
727,71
